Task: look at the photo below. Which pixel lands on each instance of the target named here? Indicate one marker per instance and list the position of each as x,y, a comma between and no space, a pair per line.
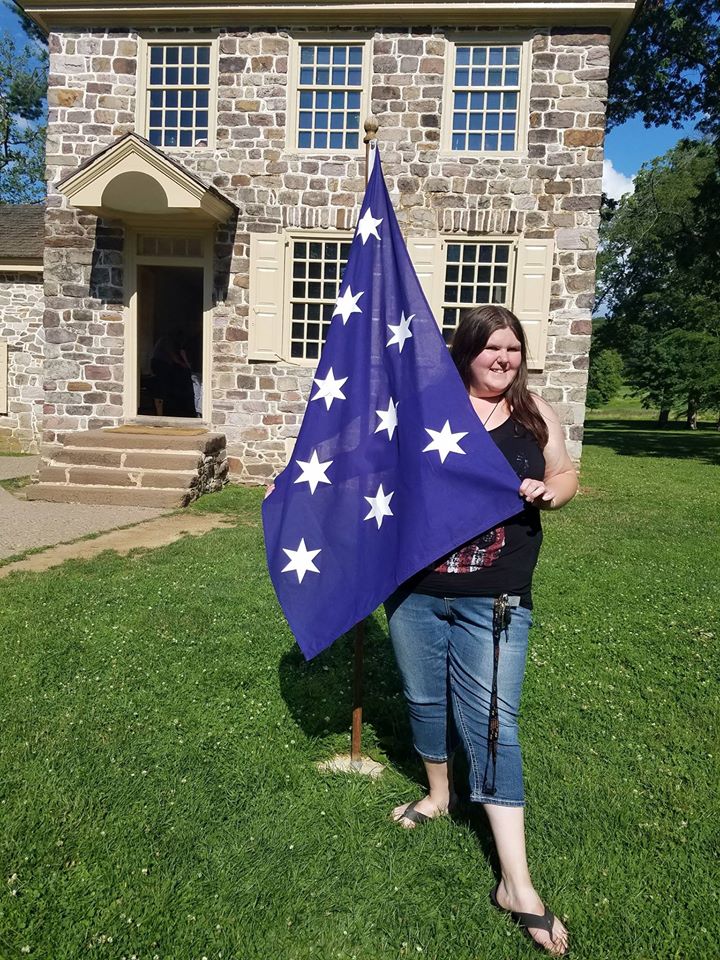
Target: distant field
627,407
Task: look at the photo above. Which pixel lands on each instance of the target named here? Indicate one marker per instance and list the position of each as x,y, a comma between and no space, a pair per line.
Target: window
295,282
457,273
316,267
485,94
179,93
330,97
475,273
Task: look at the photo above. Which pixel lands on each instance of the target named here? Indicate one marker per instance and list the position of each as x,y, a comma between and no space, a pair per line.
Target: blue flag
392,468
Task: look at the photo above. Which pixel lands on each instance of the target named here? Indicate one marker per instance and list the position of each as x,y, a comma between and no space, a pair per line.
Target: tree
605,377
659,275
23,86
668,69
680,369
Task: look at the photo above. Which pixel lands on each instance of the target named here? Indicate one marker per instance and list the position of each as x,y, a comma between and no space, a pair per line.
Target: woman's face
494,368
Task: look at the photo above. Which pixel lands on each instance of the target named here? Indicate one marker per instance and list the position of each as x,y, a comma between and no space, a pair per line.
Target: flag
392,467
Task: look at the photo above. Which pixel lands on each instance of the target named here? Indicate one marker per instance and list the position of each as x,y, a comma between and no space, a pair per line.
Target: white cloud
614,183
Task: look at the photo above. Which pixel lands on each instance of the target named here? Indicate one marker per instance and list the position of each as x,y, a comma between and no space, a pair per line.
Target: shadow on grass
643,438
318,694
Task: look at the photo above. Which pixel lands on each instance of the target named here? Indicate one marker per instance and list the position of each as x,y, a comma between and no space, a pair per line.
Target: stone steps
118,467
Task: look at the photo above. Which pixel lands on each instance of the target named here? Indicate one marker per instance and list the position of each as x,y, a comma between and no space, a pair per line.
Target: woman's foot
528,901
409,815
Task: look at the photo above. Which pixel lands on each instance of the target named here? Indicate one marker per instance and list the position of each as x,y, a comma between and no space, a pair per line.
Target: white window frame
500,39
143,84
339,39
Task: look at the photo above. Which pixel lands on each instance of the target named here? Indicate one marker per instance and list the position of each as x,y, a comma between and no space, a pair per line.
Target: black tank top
502,559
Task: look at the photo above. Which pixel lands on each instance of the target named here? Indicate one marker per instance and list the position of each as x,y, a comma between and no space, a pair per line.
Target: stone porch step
157,467
142,459
110,496
113,439
117,476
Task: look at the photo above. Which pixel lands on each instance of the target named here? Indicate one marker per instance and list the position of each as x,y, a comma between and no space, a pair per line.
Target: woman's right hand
268,490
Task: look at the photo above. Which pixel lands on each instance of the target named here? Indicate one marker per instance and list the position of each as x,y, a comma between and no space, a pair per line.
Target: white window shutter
267,286
426,256
3,377
531,301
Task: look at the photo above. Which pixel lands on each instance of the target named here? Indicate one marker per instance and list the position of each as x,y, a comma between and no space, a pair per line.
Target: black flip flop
525,920
410,813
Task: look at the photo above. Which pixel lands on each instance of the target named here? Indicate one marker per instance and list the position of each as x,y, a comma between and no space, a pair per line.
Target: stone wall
21,317
553,191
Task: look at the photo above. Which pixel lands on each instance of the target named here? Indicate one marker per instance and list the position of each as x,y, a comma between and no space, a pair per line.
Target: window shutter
3,377
426,256
267,286
531,302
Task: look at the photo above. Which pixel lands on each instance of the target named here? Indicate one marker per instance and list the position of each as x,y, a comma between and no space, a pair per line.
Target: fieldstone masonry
21,321
553,191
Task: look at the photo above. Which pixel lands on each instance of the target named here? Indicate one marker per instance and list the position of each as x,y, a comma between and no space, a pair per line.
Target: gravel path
25,524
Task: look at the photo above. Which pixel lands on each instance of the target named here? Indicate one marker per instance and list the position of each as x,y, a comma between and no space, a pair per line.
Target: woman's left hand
537,493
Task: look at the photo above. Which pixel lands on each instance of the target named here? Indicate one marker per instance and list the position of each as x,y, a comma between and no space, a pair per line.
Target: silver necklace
487,419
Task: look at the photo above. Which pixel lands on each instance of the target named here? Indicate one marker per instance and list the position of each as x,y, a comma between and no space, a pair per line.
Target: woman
459,628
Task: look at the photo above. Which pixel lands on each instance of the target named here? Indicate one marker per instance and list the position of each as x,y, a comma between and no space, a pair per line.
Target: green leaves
23,83
668,69
659,278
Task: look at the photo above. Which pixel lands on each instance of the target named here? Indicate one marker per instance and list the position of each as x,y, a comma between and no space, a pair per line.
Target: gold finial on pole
370,141
371,129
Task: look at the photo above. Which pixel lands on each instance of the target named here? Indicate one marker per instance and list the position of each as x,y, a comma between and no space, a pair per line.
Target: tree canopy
23,87
659,279
668,69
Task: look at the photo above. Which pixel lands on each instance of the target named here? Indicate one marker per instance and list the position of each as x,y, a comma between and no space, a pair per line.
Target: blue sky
626,148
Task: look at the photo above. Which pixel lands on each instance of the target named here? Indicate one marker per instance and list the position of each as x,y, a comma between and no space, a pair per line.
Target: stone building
205,168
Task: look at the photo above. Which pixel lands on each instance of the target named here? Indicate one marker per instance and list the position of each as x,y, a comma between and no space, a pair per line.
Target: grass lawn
158,794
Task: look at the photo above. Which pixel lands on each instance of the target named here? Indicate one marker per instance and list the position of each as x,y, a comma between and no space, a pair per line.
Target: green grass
158,794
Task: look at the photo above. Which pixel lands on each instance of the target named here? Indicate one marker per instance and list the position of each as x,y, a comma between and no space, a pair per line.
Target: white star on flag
346,305
301,561
380,506
367,227
313,472
444,441
329,389
401,331
388,419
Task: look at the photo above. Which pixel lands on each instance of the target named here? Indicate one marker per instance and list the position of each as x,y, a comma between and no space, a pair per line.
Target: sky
626,148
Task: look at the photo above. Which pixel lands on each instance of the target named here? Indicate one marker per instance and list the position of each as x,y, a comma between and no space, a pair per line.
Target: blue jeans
444,650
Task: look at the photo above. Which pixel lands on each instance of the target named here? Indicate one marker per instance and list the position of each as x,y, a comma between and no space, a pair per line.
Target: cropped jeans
444,650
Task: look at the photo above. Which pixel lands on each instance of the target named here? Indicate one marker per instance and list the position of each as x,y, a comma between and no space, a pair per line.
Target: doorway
170,341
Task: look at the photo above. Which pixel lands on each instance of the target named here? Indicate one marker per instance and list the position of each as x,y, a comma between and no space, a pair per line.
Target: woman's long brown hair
474,330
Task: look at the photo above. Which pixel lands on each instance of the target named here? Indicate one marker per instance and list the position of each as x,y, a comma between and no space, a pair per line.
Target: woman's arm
560,482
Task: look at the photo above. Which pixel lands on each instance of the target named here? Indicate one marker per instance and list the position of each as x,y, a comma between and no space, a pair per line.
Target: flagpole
371,128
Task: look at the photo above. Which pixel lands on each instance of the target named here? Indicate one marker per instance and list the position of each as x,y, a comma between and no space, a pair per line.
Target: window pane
307,54
484,270
173,86
313,303
479,112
